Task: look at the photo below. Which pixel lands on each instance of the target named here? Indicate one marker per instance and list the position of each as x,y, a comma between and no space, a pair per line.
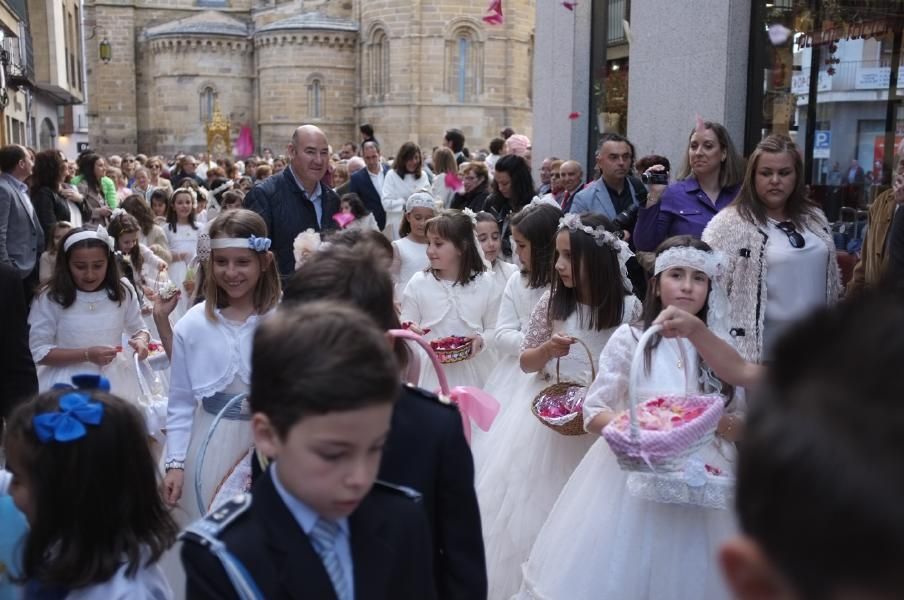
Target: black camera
626,219
655,178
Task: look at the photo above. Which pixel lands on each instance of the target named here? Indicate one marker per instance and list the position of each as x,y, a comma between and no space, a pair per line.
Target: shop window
825,74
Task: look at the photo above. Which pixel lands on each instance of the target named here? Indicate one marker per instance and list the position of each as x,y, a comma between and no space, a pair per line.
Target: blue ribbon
68,424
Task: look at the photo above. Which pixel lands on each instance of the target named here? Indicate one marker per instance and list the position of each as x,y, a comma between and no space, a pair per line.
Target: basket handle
589,355
637,367
410,335
143,384
202,451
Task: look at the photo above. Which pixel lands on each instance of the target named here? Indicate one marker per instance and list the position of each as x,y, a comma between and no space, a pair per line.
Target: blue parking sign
822,144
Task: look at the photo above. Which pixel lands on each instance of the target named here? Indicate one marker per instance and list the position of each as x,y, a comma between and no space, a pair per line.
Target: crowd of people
323,374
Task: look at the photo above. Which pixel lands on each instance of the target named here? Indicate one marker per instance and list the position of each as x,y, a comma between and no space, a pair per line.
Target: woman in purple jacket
708,182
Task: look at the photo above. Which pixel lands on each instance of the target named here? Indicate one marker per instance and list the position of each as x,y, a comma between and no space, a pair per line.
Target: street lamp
106,51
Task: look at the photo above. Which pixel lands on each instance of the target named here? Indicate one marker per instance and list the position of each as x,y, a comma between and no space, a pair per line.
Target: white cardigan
744,245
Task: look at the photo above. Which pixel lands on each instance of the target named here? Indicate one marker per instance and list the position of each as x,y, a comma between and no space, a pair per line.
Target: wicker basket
662,451
572,424
448,356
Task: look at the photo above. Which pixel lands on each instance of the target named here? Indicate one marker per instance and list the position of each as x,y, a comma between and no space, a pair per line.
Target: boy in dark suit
426,449
323,386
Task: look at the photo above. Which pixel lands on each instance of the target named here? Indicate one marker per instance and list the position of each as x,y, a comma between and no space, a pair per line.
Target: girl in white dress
182,234
490,239
79,319
211,356
519,480
144,269
455,296
533,233
87,484
604,539
409,252
405,177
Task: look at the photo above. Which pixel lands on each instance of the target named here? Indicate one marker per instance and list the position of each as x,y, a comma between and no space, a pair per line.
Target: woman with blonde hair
443,162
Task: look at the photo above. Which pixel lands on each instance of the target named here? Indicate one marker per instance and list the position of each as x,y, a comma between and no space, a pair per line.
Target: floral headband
205,244
99,234
470,214
602,237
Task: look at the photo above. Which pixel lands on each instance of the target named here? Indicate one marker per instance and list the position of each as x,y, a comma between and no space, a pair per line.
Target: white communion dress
409,257
92,320
524,464
602,539
452,309
507,378
183,240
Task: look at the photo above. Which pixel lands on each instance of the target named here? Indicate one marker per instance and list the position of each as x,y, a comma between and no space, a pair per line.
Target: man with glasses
545,174
295,199
883,250
187,169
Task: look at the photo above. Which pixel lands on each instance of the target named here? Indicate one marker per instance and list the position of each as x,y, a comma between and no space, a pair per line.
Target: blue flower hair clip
259,244
68,423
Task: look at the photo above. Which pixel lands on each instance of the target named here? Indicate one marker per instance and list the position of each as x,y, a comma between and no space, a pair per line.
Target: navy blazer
287,212
427,451
361,184
389,544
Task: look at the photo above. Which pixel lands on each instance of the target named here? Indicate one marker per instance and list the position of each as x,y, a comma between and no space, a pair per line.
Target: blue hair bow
76,410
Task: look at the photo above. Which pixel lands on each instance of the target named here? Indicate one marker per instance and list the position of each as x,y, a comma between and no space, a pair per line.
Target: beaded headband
100,234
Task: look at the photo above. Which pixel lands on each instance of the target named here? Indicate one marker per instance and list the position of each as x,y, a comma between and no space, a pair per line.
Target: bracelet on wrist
87,358
174,464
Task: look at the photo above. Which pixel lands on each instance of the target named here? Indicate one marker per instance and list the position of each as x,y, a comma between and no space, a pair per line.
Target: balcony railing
17,56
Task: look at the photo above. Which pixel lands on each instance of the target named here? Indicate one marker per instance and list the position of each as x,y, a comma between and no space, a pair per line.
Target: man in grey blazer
21,235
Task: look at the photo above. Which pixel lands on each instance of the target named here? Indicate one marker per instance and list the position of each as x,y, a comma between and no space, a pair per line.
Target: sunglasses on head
794,238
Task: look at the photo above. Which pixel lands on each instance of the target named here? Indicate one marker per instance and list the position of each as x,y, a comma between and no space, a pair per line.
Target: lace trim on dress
539,328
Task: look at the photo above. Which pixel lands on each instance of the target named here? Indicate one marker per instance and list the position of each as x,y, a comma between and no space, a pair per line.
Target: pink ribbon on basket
475,405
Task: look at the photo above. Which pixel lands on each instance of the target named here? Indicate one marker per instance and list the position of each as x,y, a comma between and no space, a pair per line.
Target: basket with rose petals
453,349
559,406
659,434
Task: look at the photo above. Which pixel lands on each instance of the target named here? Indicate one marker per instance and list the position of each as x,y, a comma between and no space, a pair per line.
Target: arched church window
378,64
208,100
464,60
315,98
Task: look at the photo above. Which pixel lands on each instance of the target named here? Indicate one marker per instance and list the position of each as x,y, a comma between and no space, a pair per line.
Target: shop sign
876,78
850,31
800,83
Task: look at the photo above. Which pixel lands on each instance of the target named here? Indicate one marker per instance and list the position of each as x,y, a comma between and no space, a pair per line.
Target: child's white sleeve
133,320
539,329
42,321
609,391
411,312
508,335
181,405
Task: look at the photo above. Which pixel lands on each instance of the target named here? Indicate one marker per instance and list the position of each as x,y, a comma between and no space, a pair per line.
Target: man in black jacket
294,200
368,182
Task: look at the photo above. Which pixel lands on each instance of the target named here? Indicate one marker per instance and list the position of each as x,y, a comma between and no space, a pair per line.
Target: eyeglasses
794,238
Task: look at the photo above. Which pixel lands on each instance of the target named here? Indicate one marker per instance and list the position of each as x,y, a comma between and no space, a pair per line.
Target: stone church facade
411,68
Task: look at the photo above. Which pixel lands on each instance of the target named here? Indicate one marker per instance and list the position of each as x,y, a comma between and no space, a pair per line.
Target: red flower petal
569,5
574,115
